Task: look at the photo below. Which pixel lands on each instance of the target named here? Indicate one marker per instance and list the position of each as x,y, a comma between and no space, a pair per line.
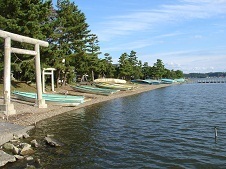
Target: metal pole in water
215,129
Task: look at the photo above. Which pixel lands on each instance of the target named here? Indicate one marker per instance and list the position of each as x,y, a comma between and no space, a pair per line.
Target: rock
53,142
14,141
29,158
19,157
25,135
5,158
34,143
30,167
25,145
16,150
17,136
38,161
26,151
8,146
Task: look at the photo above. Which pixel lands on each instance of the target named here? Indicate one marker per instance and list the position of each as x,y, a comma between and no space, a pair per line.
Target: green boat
67,100
94,90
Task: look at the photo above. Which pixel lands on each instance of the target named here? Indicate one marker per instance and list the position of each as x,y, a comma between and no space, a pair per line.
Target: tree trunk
92,76
65,79
58,79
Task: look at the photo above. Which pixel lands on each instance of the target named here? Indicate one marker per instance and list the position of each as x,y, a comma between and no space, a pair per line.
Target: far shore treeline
74,51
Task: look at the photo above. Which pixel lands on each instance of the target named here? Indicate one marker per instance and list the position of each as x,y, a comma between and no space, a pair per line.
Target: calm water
171,127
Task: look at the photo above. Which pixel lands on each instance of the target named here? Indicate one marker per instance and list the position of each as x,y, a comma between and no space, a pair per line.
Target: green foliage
28,18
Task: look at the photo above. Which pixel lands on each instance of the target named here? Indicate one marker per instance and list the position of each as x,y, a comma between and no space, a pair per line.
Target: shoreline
28,115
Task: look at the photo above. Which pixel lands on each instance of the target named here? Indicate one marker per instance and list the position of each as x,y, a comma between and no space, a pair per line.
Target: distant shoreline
28,115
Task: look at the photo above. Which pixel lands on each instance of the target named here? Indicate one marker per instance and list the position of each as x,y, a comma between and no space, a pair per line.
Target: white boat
109,80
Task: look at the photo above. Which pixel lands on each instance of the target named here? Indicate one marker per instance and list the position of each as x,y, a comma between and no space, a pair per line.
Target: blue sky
189,35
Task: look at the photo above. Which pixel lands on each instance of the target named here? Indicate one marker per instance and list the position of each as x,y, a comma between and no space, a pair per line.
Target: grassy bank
20,86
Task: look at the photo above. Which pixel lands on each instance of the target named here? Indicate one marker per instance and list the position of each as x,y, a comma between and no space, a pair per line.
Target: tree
145,70
110,69
93,50
28,18
159,69
179,74
71,36
125,67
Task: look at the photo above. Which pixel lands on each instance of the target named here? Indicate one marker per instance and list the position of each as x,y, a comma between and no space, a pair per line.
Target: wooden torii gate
8,107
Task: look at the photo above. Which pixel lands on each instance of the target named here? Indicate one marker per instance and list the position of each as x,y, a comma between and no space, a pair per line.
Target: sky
187,35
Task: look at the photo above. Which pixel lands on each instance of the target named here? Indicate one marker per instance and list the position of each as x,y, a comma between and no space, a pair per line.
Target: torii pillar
8,107
47,71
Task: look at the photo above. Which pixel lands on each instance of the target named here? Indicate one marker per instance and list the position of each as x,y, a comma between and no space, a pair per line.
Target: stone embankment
20,149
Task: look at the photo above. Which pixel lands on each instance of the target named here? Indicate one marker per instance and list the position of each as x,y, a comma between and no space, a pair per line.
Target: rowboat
181,80
146,81
167,81
110,80
114,86
94,90
57,99
140,81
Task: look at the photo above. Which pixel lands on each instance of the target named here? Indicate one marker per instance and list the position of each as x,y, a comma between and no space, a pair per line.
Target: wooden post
39,102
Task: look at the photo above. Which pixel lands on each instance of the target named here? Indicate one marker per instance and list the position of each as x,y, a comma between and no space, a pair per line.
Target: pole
40,102
7,70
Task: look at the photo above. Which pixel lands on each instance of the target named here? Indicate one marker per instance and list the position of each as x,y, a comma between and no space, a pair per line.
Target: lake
172,127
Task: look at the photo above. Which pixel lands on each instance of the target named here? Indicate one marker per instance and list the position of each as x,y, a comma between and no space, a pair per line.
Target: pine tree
28,18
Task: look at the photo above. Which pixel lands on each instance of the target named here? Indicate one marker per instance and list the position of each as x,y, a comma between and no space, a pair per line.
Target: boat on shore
94,90
140,81
110,80
56,99
167,81
181,80
114,86
147,81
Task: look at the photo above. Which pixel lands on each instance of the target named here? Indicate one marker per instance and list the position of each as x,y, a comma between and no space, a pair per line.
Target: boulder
53,142
34,143
25,135
29,158
8,146
17,136
25,145
26,151
16,150
19,157
5,158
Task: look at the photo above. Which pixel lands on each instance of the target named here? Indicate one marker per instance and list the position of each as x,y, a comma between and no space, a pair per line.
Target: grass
20,86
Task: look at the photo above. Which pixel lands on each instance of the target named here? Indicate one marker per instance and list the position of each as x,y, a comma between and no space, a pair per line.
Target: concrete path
8,130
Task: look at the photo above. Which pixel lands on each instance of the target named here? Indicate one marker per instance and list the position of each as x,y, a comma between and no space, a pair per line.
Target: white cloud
165,14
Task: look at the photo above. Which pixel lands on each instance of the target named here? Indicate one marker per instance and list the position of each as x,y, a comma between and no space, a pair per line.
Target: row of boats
156,82
75,100
102,87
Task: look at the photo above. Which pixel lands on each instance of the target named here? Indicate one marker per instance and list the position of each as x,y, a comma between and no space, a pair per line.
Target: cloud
150,19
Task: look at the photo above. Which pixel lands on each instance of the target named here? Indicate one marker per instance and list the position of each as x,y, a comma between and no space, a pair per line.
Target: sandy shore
27,114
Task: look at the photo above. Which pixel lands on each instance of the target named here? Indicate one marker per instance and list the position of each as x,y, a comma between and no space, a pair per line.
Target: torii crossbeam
8,107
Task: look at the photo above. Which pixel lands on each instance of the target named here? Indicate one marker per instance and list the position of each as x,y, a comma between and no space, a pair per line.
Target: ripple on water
171,127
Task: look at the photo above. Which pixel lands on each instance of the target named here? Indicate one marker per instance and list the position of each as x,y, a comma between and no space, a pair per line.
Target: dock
209,80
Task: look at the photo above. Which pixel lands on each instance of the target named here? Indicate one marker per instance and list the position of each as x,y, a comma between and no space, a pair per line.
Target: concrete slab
7,130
